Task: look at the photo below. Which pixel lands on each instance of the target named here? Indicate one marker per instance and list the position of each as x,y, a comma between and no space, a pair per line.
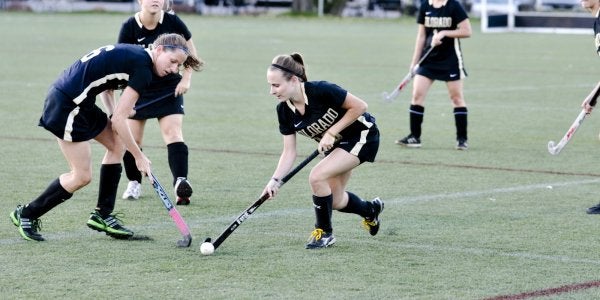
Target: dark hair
173,41
290,65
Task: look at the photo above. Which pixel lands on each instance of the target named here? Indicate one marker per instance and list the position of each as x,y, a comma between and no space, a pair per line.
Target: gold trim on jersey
291,105
139,22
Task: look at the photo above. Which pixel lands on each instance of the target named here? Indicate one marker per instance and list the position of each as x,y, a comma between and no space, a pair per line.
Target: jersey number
96,52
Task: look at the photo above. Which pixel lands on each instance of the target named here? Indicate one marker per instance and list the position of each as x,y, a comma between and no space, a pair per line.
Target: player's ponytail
290,65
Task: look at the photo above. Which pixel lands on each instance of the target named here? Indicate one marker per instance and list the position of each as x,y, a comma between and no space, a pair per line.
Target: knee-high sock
131,169
54,195
358,206
323,210
110,174
460,119
178,159
416,119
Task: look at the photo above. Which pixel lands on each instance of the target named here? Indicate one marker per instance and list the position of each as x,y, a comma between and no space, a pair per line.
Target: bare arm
119,118
186,80
286,161
419,45
108,99
355,107
463,30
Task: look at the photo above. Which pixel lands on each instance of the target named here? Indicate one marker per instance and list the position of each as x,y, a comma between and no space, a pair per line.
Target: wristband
331,134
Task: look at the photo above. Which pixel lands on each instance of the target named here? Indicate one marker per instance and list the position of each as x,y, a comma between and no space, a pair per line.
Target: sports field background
457,225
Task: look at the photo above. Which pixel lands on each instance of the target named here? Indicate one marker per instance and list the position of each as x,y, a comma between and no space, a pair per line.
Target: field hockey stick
553,148
181,225
389,97
248,211
146,104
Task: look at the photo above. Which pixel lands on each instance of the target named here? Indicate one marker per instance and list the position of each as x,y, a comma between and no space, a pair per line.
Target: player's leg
421,85
134,176
455,91
177,151
368,210
338,163
364,149
78,156
102,218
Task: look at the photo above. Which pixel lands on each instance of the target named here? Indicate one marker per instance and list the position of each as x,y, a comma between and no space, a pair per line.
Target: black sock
110,174
131,169
416,119
54,195
323,210
460,119
178,159
358,206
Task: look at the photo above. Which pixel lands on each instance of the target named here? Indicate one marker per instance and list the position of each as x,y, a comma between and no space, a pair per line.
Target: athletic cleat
320,239
372,224
462,145
110,225
594,210
27,228
183,190
133,191
410,142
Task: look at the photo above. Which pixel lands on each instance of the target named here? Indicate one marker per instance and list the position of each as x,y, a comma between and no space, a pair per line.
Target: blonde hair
173,41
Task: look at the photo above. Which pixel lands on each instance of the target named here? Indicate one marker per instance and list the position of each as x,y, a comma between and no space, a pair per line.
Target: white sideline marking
78,234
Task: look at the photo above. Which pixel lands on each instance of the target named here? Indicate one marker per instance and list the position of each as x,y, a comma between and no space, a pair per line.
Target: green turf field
457,225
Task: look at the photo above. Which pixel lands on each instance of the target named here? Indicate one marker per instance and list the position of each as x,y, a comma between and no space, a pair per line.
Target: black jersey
134,32
597,33
448,54
107,68
323,108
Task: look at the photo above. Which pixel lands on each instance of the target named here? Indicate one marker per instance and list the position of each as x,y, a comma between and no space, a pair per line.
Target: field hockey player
71,114
345,132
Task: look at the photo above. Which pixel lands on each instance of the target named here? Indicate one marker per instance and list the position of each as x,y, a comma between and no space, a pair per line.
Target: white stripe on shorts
69,125
363,140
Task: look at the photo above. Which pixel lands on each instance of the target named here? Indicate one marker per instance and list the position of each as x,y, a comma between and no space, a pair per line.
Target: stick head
387,98
185,242
552,148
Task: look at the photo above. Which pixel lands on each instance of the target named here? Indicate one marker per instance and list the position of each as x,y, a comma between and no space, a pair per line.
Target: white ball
207,248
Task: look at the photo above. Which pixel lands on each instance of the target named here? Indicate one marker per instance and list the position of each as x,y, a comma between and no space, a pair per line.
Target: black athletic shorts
71,122
363,147
159,87
452,74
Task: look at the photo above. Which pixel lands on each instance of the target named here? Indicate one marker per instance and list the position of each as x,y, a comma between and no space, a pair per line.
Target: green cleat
27,228
110,225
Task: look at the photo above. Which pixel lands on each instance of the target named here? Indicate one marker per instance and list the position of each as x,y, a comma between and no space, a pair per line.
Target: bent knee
316,178
82,179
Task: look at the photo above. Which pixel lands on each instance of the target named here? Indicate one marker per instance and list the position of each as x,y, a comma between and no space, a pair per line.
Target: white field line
197,223
469,194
